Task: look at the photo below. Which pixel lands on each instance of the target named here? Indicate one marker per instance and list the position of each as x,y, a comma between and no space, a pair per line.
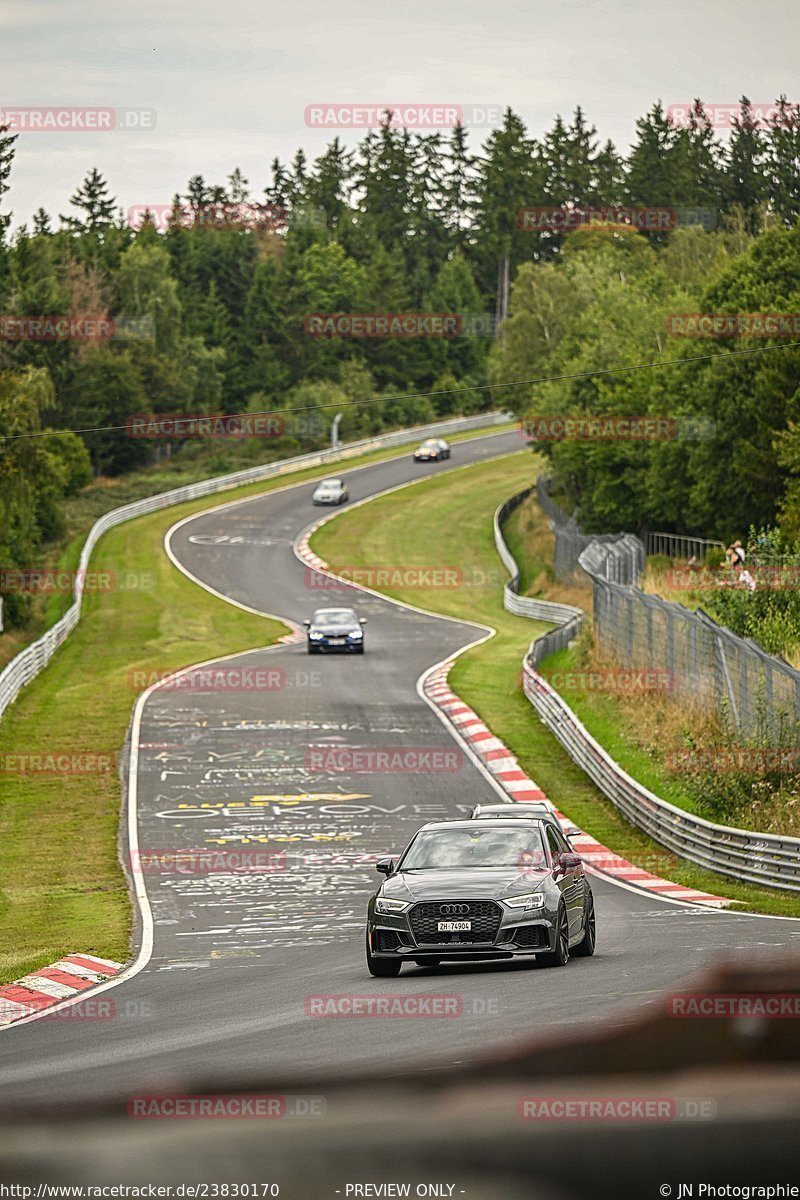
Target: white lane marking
145,951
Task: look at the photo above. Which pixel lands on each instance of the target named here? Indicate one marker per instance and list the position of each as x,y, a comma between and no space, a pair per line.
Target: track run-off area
229,967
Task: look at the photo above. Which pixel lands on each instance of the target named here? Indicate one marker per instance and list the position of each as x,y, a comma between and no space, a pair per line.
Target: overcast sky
230,81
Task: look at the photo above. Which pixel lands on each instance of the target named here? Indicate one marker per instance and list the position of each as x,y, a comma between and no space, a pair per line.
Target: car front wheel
585,948
560,956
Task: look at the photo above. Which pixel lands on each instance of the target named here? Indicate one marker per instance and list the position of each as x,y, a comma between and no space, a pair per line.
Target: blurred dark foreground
703,1102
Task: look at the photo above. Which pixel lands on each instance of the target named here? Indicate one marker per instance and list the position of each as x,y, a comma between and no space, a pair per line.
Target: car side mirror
362,620
568,862
307,624
386,866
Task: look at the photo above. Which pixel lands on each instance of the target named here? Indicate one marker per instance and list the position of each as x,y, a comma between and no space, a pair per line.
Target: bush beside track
447,521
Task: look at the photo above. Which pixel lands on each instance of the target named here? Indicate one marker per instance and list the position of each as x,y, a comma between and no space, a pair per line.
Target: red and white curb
309,557
72,974
504,768
500,762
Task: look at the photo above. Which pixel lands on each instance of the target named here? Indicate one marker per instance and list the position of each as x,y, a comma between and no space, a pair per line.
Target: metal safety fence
710,665
630,621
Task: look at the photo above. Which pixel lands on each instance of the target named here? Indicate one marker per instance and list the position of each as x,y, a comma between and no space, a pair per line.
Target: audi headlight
531,900
384,905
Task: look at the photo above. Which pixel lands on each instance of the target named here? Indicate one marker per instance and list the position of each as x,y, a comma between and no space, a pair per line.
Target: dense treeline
211,313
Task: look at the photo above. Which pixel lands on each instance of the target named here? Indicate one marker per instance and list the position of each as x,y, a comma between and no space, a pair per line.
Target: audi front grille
484,915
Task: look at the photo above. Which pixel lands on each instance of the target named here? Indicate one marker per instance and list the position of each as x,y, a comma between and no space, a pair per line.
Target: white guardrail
763,858
30,661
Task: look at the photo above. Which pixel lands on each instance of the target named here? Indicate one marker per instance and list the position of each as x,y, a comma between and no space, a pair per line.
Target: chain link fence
709,665
696,648
622,560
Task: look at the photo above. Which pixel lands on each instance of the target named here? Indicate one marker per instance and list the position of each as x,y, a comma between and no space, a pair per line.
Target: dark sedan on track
335,629
470,890
537,810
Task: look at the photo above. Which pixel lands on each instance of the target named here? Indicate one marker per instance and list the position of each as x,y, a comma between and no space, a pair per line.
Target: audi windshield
501,846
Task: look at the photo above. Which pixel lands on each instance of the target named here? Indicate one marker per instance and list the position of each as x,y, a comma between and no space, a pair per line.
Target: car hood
475,883
328,491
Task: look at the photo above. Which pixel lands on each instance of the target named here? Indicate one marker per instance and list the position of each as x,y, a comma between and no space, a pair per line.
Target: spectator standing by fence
735,556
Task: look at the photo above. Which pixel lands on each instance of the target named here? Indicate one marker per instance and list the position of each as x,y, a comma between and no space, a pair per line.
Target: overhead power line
488,387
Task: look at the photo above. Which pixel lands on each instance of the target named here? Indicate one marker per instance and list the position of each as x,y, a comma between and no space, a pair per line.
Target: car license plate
454,926
335,641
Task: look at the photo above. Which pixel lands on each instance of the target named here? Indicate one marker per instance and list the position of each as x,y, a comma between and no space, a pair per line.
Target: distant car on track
335,629
539,810
432,450
471,890
331,491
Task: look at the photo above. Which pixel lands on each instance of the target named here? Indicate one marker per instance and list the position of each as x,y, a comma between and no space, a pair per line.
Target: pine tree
429,240
703,161
385,180
94,202
197,192
458,187
6,162
330,184
41,222
656,165
783,161
238,187
510,177
609,176
746,184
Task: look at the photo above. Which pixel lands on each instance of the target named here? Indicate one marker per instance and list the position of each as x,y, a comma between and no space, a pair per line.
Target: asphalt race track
237,955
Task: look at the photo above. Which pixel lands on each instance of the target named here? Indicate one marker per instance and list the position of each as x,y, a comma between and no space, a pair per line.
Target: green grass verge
61,885
105,494
447,521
